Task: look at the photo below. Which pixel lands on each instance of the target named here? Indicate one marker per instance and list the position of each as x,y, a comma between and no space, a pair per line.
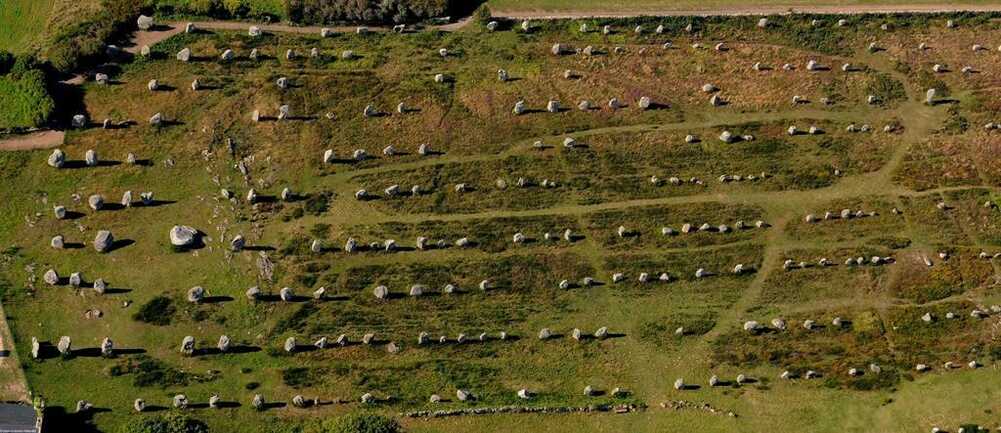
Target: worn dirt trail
33,141
13,386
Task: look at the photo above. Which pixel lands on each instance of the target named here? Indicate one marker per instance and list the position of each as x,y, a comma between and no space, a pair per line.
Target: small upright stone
103,241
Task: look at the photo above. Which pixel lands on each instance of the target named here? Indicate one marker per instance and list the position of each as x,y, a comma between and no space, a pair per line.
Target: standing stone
57,242
289,344
183,236
127,199
107,348
519,108
100,286
103,241
184,55
36,348
227,55
188,346
51,277
79,121
65,346
196,294
90,157
930,96
96,202
57,159
144,22
254,31
223,344
237,244
139,405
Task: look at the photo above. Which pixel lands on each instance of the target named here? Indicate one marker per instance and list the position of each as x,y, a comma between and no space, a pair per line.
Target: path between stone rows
164,31
35,140
13,385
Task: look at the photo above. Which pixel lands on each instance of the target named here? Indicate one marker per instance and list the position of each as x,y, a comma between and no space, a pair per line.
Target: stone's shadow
116,291
154,203
216,299
58,419
275,405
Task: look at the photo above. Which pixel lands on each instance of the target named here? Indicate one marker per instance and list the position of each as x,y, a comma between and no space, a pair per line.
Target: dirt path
36,140
744,10
148,38
13,386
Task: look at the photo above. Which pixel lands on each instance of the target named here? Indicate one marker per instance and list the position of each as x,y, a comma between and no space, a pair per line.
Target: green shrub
158,311
362,423
148,371
317,204
369,11
225,9
482,15
886,88
84,43
25,99
172,422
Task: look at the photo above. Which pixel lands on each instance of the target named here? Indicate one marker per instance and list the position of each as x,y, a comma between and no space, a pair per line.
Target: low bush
85,42
172,422
369,11
158,311
362,423
24,94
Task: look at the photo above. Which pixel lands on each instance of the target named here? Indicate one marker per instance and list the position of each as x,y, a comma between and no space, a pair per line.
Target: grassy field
28,25
21,20
926,157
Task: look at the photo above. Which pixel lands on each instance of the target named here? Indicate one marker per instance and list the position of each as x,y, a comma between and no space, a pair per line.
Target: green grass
600,187
21,21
